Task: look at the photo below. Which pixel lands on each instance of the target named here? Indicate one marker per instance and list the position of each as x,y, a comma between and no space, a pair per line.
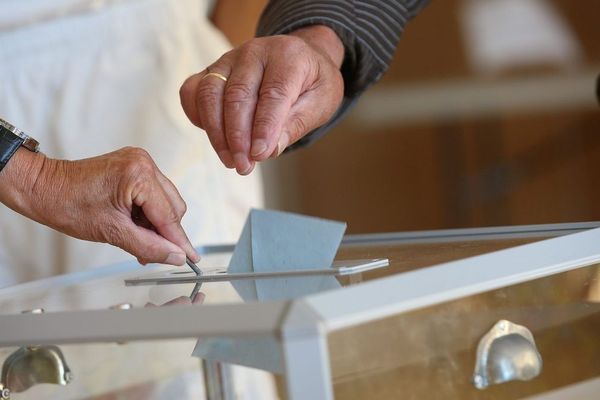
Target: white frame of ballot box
303,324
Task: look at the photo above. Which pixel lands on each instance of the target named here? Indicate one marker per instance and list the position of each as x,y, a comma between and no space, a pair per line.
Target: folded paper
275,241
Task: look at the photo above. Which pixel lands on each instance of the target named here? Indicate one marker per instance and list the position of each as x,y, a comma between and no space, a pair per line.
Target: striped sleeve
369,29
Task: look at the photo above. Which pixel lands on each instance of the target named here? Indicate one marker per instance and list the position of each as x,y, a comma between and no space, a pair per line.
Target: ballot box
494,313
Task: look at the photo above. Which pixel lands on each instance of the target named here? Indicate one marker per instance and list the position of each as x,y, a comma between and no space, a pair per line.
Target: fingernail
175,259
226,159
249,169
242,164
259,146
195,257
282,144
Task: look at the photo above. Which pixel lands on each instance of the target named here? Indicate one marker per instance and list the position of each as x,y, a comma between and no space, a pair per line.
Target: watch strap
9,143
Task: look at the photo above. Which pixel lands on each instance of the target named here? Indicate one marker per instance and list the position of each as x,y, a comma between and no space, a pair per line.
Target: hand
181,301
94,199
278,89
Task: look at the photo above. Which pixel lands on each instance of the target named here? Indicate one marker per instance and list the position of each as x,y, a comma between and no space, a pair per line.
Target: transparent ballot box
494,313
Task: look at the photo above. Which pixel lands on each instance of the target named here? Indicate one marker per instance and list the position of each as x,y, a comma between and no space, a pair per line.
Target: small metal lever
193,266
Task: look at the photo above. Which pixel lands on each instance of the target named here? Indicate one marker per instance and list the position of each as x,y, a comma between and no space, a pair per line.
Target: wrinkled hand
278,89
97,199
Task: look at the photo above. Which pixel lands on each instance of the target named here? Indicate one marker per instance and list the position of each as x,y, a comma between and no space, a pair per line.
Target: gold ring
216,75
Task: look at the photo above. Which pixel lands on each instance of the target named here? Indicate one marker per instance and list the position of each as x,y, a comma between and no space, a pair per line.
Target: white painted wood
233,320
306,355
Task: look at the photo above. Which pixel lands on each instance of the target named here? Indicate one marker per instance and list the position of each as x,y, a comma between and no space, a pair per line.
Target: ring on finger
215,74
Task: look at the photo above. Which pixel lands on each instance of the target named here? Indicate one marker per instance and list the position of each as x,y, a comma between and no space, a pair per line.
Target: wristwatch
11,138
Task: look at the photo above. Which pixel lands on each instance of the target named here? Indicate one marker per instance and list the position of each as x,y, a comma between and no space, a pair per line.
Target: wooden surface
430,353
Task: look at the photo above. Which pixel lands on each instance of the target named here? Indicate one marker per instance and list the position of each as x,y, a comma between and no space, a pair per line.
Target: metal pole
218,382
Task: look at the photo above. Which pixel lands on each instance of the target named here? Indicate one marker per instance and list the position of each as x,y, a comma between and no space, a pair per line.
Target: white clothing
86,77
89,82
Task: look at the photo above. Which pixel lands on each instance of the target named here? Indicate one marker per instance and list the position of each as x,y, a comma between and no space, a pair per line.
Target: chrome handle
4,393
506,353
32,365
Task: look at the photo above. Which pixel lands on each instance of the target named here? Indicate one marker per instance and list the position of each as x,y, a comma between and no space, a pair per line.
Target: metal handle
4,393
32,365
506,353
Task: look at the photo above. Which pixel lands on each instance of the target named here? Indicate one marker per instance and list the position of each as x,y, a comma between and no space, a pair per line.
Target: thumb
310,111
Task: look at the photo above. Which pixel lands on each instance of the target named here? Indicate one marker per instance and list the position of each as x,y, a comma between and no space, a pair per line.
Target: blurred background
487,117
